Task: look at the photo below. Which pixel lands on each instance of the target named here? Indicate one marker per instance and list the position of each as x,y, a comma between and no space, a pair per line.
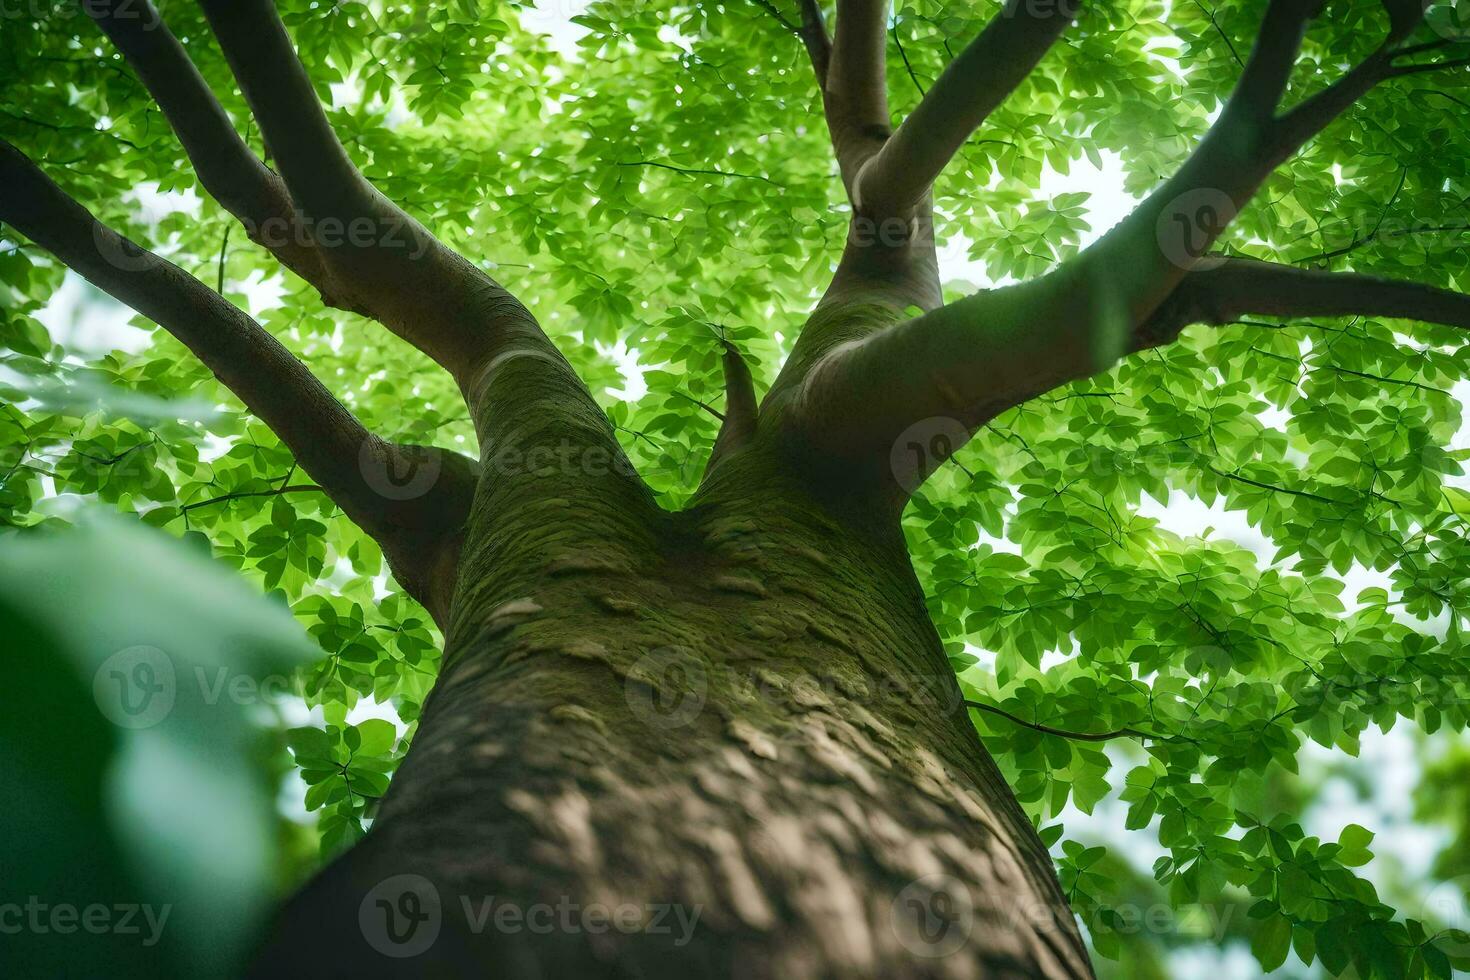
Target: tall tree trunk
723,742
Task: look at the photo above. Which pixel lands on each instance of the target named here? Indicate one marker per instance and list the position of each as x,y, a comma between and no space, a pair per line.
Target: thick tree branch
855,90
1140,262
414,521
420,289
954,368
814,37
811,31
322,178
522,394
1297,127
888,255
231,173
1237,288
1134,267
1263,82
1404,17
964,364
969,360
898,177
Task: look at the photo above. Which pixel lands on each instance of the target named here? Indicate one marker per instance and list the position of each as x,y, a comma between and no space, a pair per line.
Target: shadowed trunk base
726,744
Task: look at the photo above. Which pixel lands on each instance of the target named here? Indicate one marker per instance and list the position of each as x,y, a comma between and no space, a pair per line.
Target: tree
692,671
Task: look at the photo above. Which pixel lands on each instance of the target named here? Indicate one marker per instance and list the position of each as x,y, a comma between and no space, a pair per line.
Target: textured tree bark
735,727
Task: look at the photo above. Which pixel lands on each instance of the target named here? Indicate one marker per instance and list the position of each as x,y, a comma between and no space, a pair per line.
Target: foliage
154,834
672,187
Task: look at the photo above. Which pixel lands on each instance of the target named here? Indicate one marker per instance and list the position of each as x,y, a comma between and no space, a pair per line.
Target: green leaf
1271,941
376,736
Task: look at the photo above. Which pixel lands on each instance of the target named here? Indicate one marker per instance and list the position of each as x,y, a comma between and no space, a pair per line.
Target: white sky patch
1461,392
88,322
1190,517
634,387
154,205
1393,758
554,19
1107,204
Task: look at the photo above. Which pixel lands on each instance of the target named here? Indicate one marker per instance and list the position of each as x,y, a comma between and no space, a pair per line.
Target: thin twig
905,56
692,170
1075,736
